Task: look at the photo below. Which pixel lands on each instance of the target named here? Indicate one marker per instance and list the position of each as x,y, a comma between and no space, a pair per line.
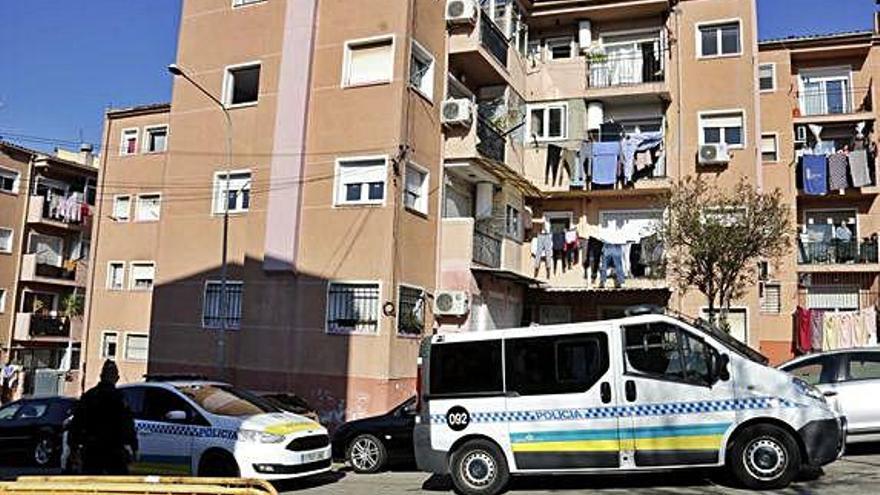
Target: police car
205,428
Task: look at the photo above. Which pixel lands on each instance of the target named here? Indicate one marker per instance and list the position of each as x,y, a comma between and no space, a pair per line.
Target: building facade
46,218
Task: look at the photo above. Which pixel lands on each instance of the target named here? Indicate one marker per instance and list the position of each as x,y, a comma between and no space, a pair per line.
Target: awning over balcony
506,275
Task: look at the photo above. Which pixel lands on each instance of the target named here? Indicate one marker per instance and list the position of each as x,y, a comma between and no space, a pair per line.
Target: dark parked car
371,444
31,429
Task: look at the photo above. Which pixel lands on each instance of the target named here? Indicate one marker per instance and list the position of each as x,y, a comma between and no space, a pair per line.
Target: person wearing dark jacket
103,427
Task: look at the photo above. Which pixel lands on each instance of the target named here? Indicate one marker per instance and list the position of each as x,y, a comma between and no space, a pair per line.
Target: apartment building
46,210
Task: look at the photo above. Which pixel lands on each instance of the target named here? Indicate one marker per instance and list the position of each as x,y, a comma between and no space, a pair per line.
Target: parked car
372,444
31,429
850,380
292,403
205,428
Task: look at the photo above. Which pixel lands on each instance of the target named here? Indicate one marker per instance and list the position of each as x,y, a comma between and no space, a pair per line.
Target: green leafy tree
715,238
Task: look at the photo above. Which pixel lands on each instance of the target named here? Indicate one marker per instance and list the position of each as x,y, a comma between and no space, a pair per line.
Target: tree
715,237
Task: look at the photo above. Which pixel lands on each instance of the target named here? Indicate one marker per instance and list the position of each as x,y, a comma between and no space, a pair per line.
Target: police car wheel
764,457
217,464
366,454
479,468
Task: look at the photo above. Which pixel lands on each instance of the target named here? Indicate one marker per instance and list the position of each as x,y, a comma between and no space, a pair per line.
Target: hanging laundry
633,143
591,260
847,329
579,174
803,338
830,331
551,172
815,175
569,162
605,160
571,243
816,327
870,316
837,173
542,249
858,168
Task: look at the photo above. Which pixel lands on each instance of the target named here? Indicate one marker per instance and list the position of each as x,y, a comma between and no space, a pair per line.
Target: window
116,275
148,207
212,310
825,91
719,39
368,62
512,222
121,208
664,351
864,366
411,314
769,148
8,411
717,128
226,401
239,3
2,301
142,275
548,122
360,181
421,70
533,50
109,342
771,298
767,77
232,191
158,402
156,139
415,194
814,370
559,48
353,308
563,364
136,347
9,181
5,240
242,85
466,368
128,145
737,322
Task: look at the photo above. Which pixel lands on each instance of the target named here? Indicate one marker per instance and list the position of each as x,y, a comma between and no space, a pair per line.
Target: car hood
279,423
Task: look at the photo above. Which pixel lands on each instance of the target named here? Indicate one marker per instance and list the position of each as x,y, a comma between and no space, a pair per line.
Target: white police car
206,428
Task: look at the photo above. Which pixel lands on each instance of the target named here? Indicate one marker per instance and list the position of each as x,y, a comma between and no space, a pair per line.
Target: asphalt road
857,473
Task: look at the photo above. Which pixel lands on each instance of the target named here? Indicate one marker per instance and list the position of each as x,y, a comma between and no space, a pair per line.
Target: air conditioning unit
714,154
461,11
457,111
800,134
451,303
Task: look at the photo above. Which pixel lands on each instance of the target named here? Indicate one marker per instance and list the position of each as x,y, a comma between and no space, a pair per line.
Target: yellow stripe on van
704,442
573,446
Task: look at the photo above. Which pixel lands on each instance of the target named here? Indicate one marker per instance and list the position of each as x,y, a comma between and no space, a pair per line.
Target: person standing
8,382
103,427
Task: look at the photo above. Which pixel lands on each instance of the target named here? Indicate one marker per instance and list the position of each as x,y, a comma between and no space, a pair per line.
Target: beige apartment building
396,164
46,218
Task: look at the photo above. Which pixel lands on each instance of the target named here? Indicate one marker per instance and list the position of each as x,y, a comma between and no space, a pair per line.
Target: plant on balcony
715,236
72,305
596,55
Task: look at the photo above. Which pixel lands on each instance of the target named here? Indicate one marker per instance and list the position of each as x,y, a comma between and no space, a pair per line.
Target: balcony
838,256
486,249
482,52
626,75
466,247
39,327
70,273
40,211
829,104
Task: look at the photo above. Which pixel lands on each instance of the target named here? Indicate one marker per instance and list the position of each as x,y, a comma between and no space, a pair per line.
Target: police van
642,393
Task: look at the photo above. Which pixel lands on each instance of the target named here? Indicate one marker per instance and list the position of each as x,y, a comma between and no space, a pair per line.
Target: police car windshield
226,401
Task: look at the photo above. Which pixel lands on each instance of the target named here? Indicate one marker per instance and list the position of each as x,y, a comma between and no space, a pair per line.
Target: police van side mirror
720,367
175,416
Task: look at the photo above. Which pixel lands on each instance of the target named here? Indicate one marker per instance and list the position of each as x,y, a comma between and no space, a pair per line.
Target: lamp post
176,70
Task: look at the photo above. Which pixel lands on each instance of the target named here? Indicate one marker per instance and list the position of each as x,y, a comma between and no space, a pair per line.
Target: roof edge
146,109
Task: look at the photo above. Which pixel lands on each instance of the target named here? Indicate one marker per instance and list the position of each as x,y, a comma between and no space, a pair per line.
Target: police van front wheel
764,457
478,468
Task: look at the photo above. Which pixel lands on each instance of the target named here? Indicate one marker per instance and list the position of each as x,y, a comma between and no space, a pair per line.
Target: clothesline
819,330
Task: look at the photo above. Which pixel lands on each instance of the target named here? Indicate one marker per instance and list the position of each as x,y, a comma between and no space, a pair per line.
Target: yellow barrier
134,485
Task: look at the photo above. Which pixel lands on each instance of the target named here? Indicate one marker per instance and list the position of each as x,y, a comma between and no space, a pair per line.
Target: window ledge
343,333
417,212
725,55
380,204
366,84
421,94
409,336
162,152
9,193
233,106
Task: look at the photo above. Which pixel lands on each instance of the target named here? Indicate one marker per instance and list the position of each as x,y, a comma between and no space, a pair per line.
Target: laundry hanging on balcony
817,330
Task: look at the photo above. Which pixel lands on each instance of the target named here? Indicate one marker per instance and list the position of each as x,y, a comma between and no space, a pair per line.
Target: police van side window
159,402
665,351
134,398
466,368
563,364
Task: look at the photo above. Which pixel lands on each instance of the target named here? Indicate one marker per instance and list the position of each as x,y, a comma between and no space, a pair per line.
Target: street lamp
176,70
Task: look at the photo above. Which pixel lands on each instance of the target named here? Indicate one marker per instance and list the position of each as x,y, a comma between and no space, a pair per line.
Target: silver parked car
850,379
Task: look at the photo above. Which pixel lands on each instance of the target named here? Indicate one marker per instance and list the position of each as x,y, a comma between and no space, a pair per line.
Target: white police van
204,428
642,393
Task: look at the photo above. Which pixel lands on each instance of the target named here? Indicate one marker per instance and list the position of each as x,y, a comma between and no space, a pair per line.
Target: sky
66,61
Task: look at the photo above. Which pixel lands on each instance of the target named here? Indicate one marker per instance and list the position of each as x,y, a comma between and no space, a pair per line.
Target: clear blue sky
66,61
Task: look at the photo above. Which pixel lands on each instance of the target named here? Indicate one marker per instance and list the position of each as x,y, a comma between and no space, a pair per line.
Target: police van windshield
226,401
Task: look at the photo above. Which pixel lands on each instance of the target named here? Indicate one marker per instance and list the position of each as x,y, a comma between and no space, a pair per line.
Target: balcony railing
487,250
643,66
836,252
493,39
56,272
840,100
490,141
49,326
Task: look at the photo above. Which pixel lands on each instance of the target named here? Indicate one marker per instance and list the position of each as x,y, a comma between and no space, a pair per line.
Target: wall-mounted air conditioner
451,303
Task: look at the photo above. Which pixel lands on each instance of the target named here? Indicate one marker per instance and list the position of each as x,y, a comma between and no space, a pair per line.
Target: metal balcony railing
493,39
57,272
49,326
834,100
836,252
487,250
490,142
646,65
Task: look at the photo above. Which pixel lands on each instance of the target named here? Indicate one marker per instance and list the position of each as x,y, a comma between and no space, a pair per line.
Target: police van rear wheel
764,457
479,468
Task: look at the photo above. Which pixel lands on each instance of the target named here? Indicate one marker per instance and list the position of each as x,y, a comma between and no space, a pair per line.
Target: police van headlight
258,436
809,390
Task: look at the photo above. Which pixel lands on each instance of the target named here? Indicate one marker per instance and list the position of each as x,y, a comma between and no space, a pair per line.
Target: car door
27,426
165,443
674,415
821,372
858,393
560,403
8,425
398,434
